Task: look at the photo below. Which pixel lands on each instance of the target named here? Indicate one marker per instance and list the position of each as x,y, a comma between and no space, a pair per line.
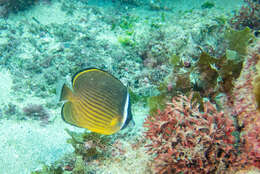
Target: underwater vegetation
88,146
49,170
209,76
244,104
248,16
231,74
187,140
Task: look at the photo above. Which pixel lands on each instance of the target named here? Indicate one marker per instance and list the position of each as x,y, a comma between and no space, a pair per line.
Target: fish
97,101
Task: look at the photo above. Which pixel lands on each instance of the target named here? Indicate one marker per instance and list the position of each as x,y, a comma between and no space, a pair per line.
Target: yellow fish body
97,101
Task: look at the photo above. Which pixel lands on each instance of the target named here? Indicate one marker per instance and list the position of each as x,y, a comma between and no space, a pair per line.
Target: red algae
183,139
245,108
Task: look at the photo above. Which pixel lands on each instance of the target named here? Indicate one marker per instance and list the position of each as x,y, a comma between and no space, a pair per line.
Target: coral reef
133,44
97,36
187,140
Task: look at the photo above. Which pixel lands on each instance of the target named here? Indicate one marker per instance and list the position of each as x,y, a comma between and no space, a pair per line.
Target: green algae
80,166
238,40
175,60
156,103
126,41
207,69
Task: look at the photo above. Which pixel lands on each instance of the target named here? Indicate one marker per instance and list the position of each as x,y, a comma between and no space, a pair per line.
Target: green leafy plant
238,40
126,41
127,22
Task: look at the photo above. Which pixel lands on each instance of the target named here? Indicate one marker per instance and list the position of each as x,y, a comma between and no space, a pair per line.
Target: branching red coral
185,139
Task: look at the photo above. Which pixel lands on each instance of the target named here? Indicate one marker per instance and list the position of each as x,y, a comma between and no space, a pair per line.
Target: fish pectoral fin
67,114
66,93
114,122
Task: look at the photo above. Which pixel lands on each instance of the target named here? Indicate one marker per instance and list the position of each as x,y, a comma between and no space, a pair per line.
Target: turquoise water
44,43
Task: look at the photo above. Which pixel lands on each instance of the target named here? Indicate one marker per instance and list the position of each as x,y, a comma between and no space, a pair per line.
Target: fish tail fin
66,93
